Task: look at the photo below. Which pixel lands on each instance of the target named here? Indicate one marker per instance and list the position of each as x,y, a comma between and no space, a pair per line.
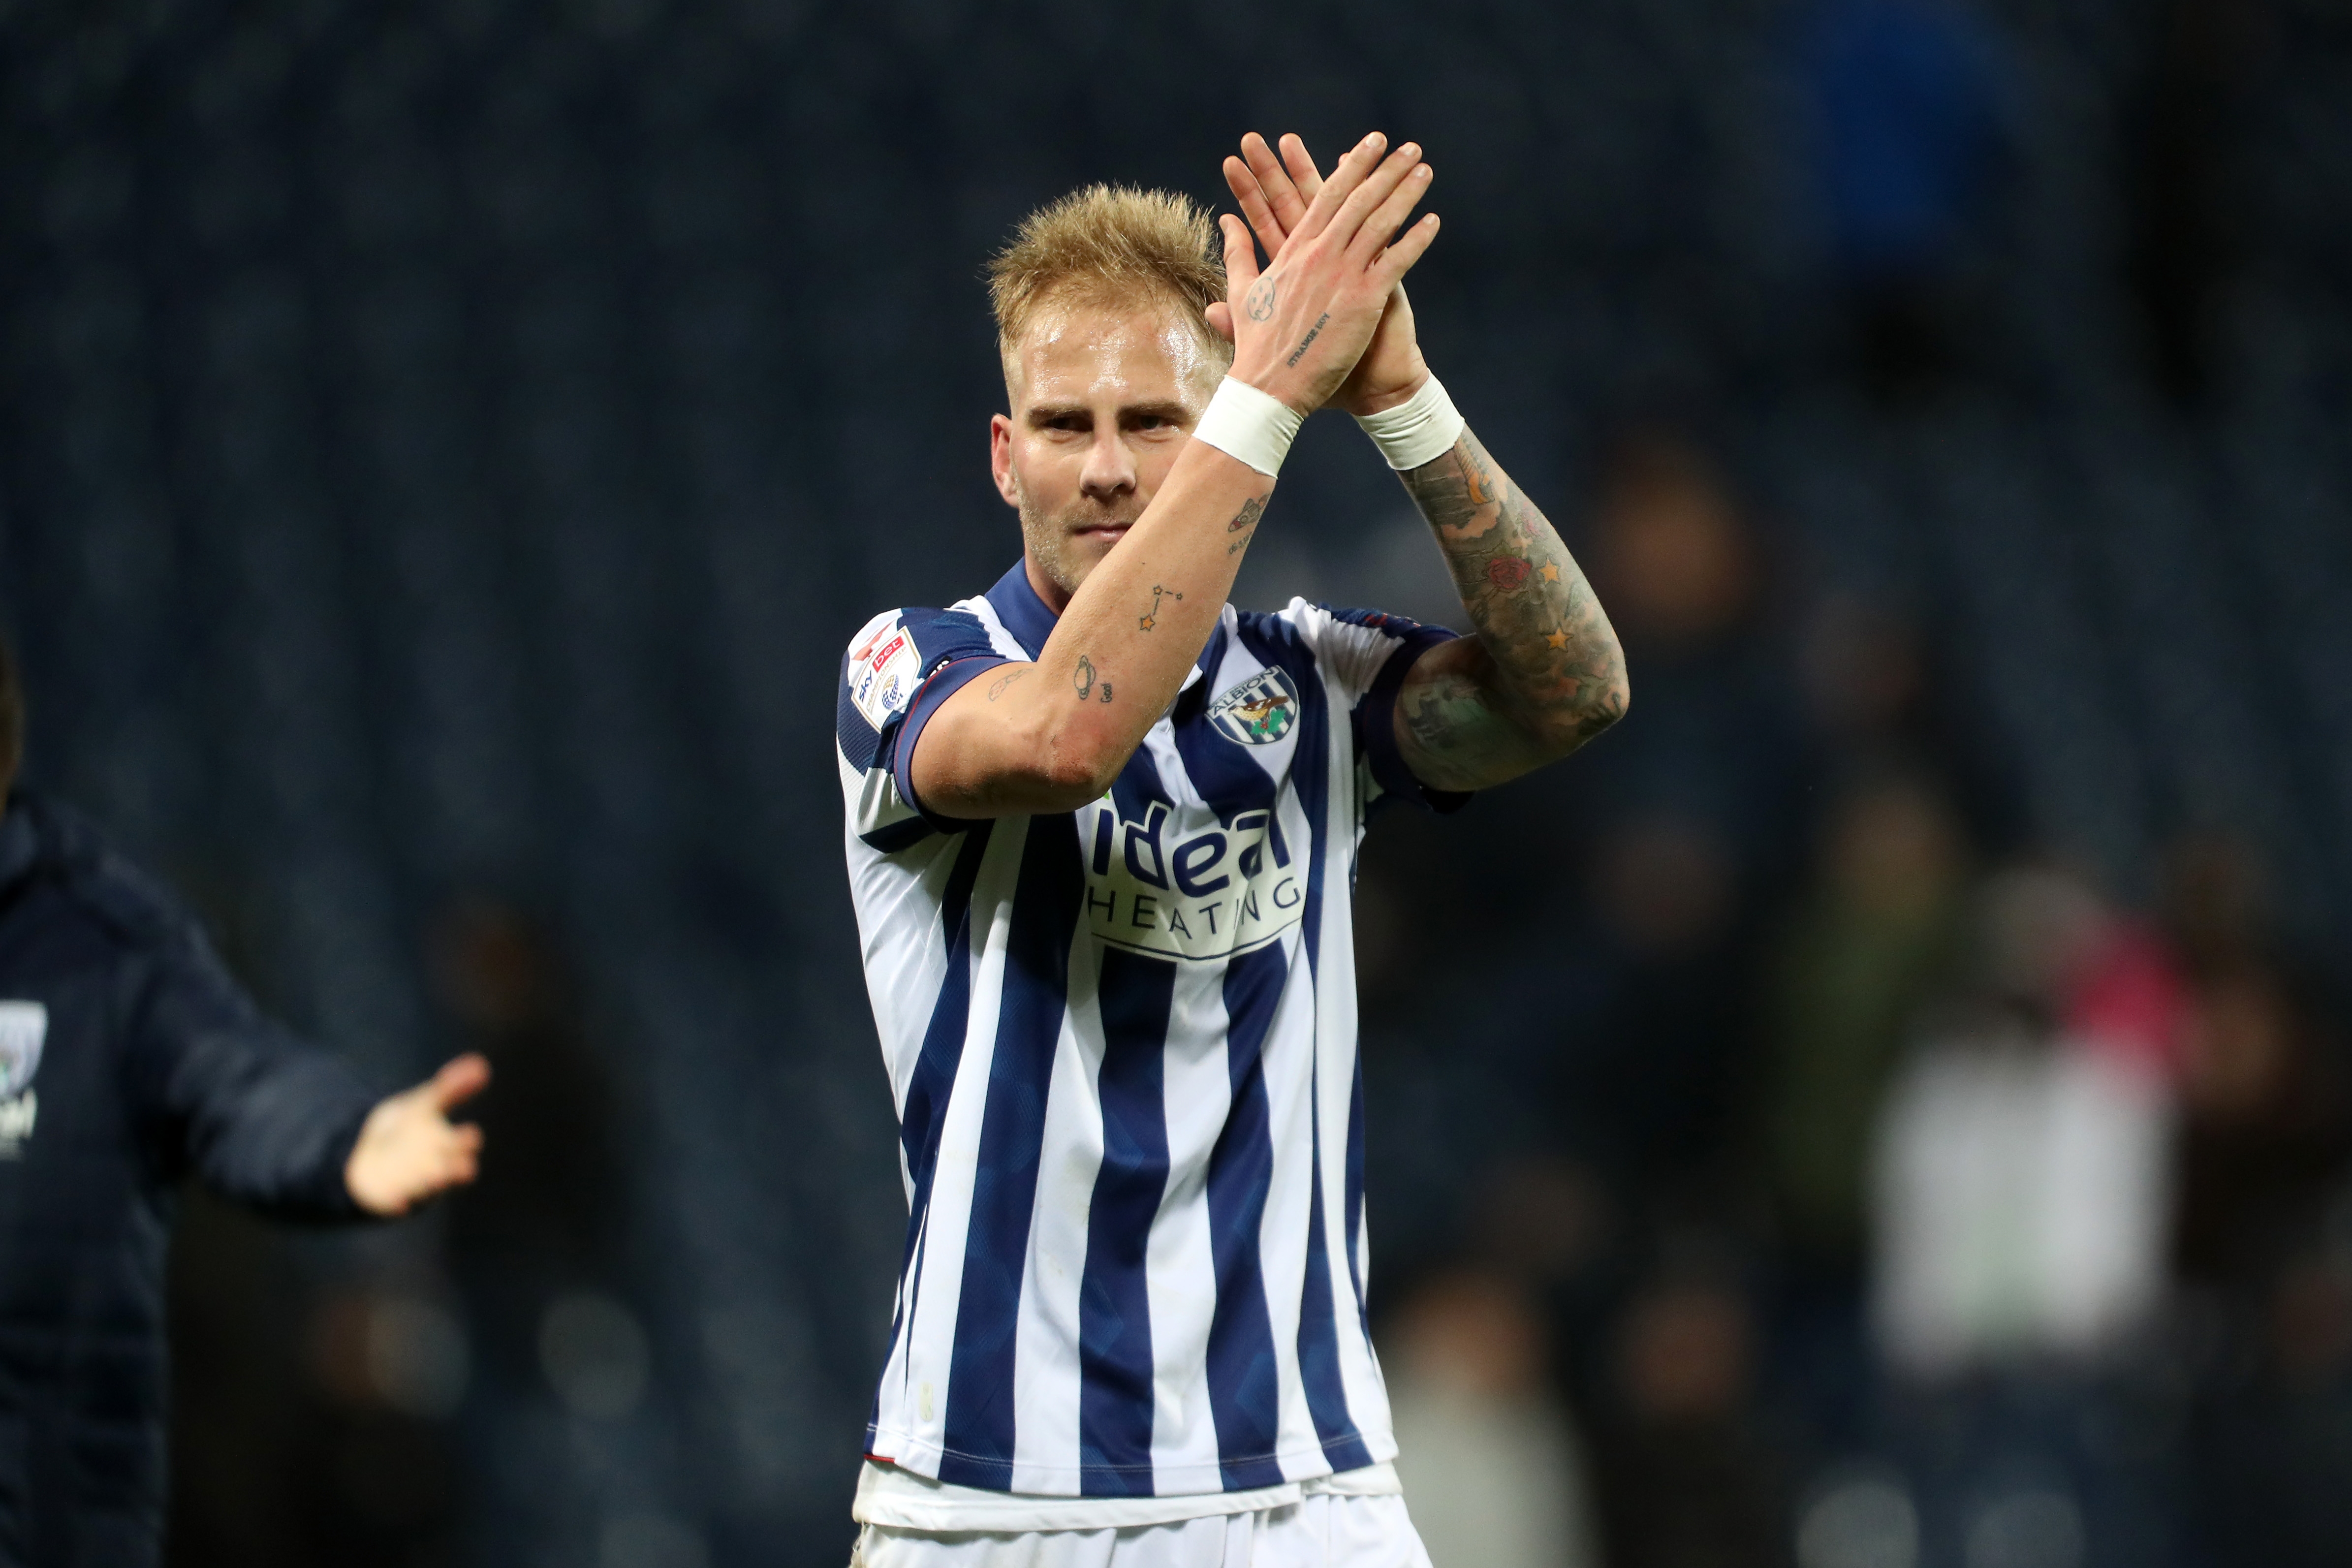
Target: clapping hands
1274,194
1301,327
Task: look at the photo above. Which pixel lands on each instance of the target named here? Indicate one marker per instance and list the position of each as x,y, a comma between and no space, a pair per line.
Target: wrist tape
1245,423
1420,429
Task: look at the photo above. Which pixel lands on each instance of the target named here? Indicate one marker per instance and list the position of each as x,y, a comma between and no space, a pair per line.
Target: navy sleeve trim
1375,725
943,683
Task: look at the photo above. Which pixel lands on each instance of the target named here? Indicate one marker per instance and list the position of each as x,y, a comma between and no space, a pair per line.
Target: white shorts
1320,1531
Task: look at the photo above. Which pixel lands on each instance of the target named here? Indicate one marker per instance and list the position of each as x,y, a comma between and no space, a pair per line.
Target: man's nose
1110,467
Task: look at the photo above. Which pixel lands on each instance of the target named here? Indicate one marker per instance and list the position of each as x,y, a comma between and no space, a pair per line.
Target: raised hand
1275,195
1300,327
409,1150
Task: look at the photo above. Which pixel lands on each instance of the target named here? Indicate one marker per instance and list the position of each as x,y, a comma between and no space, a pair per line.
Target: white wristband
1245,423
1420,429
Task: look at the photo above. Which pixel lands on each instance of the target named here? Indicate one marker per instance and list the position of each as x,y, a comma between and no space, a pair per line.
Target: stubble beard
1065,557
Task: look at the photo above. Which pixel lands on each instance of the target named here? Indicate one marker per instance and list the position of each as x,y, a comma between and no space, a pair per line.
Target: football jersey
1122,1044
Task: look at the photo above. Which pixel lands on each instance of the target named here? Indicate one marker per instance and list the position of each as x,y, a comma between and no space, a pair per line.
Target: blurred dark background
1882,1107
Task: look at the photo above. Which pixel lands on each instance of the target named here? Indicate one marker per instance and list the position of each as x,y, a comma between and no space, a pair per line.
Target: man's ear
1000,459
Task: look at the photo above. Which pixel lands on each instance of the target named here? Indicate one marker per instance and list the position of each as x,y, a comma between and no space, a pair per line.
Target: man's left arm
1541,673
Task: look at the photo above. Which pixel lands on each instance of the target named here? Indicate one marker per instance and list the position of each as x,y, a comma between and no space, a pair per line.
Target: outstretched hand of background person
1274,194
409,1150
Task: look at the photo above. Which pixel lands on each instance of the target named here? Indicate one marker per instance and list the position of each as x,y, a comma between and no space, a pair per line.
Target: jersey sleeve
897,670
1364,655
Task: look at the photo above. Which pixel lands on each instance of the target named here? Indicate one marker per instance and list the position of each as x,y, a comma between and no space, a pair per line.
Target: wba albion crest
1259,712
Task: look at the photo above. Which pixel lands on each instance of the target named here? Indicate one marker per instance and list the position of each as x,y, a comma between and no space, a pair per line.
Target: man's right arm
1051,736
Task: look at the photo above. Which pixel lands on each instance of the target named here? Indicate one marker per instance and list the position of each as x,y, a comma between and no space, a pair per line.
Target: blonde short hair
1109,245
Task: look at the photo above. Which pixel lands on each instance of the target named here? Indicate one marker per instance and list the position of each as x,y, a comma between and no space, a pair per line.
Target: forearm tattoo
1083,680
1554,656
1151,617
1245,524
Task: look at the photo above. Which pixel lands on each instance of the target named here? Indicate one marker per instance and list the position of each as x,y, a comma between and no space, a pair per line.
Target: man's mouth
1111,533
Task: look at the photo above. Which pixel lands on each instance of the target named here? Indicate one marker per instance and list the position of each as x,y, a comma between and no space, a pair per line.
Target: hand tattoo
1312,334
1145,622
1259,301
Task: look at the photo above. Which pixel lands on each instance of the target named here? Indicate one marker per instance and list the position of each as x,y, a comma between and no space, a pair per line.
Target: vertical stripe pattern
1115,1361
982,1408
1130,1108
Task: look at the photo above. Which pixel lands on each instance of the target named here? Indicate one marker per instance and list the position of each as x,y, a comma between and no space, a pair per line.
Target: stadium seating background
446,446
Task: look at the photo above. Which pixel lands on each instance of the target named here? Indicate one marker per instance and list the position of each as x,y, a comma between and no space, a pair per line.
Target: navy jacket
128,1059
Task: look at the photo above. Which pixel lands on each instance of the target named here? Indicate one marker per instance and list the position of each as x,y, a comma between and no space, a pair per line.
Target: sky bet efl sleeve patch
896,672
884,665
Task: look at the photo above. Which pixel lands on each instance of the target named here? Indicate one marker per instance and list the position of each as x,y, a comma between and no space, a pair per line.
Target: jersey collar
1024,615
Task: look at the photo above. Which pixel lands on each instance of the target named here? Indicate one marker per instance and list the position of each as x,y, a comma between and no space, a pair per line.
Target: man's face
1103,398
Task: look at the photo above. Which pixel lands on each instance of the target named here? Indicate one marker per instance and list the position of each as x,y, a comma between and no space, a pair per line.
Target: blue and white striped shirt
1122,1043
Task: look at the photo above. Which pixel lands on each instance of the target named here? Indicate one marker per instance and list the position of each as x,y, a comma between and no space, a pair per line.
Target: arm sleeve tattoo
1545,674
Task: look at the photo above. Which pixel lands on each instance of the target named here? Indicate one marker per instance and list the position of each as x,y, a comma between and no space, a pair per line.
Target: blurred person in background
2260,1247
1689,591
371,1464
2180,130
1650,1067
129,1061
2021,1190
1679,823
2022,1195
1879,700
1488,1454
1100,827
2264,1137
1688,1477
541,1260
556,1220
1909,95
1875,936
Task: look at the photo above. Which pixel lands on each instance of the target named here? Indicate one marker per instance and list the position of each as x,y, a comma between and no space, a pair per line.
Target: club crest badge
24,1026
1257,712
